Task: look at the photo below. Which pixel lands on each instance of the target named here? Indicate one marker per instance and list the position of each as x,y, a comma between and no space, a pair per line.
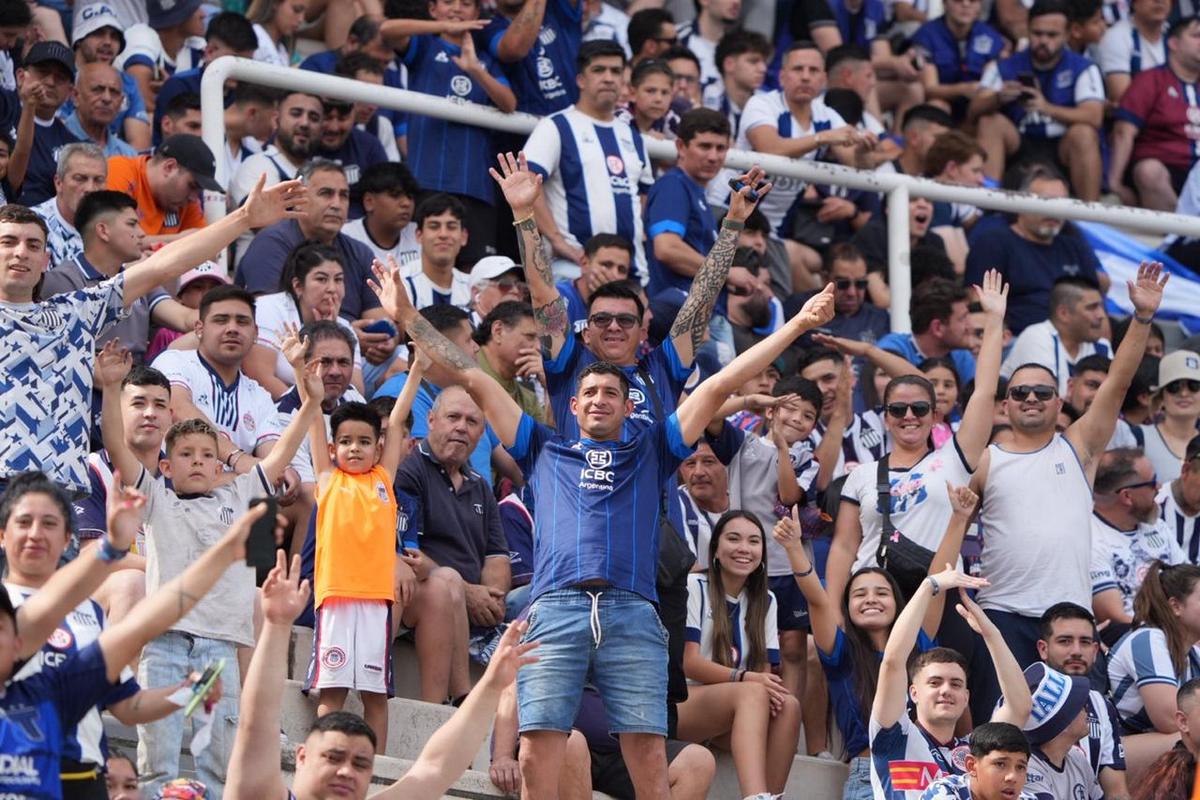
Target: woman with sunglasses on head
1177,396
919,505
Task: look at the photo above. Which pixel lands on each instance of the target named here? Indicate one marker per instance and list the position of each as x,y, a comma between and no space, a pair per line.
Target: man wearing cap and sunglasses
1037,493
43,85
167,185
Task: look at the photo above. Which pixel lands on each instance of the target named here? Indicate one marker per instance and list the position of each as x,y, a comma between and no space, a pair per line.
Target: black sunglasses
1175,387
603,319
920,409
1040,391
1152,483
843,284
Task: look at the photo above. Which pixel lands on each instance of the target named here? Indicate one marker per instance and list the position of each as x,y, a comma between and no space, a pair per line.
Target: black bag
906,561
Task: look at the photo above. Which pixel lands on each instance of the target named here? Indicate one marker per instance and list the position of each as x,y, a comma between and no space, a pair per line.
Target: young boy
1059,766
358,575
183,519
996,767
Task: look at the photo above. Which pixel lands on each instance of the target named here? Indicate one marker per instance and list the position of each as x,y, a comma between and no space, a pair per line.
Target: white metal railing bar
896,186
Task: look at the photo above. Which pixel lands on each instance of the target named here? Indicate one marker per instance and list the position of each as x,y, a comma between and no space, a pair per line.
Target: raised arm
822,609
112,365
687,332
287,200
976,427
695,412
311,390
502,412
962,505
829,450
153,616
398,32
400,411
1017,700
71,584
450,750
891,363
522,32
1090,433
522,189
254,762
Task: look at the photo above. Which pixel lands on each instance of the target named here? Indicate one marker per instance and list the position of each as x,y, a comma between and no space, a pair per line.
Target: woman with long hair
850,631
275,24
311,287
1158,655
735,700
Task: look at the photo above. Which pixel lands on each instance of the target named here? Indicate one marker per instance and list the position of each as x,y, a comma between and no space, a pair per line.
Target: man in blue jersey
594,580
1043,102
941,328
606,258
595,166
956,46
536,41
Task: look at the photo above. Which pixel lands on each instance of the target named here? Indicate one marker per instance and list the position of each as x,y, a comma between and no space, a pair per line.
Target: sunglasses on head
921,408
843,284
603,319
1175,387
1040,391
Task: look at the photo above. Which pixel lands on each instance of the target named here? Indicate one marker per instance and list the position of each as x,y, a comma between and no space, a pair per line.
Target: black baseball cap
7,608
193,155
52,52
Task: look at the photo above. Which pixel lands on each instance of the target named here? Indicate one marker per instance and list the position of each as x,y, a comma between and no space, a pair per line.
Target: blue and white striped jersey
1141,658
1186,529
699,623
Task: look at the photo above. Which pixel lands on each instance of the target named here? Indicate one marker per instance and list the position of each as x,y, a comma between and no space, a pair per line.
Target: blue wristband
107,553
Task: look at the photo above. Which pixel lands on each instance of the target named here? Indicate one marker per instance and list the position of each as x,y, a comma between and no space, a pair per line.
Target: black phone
1027,80
751,195
260,547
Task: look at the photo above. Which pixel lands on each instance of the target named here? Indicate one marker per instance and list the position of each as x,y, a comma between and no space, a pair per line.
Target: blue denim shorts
610,638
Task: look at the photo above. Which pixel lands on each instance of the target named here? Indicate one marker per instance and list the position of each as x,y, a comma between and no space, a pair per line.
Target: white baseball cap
492,267
1180,365
91,18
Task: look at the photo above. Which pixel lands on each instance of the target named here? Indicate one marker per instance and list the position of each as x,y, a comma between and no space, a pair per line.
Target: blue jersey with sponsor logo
1074,80
448,156
544,80
677,205
666,372
34,714
596,504
958,60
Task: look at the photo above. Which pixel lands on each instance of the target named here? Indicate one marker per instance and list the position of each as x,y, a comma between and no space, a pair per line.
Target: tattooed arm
121,643
502,412
522,33
692,321
522,188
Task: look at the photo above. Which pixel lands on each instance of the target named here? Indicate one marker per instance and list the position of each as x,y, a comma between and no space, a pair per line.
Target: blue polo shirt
903,344
115,146
1029,268
132,106
448,156
677,205
544,80
958,60
596,504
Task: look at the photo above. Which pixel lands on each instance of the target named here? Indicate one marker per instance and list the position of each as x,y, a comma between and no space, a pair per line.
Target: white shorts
352,647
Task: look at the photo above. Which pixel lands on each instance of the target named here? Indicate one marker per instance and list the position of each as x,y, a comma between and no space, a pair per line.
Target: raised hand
847,347
284,595
311,381
464,25
388,287
951,578
510,656
788,534
740,205
123,510
972,613
468,61
993,294
962,500
817,310
292,346
287,200
1146,292
113,363
521,185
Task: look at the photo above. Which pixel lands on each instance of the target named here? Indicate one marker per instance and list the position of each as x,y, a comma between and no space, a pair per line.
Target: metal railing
897,187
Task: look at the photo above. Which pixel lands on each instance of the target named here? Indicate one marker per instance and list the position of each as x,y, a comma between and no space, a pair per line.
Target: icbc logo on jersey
598,473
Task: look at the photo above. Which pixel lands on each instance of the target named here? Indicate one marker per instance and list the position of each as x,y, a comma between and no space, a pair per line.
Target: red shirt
1166,112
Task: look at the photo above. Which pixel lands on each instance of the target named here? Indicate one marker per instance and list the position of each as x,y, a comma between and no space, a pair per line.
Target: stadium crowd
627,450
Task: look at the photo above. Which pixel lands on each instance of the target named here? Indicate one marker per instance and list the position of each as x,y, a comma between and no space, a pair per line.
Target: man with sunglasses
1179,503
1037,493
855,317
1127,535
495,280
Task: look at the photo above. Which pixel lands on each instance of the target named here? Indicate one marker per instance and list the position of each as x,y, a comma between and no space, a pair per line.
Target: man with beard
1033,253
535,42
1050,473
1127,535
940,328
341,140
1045,102
1068,643
300,117
1074,331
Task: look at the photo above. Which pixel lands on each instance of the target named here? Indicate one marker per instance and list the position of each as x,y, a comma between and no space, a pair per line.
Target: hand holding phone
201,687
260,546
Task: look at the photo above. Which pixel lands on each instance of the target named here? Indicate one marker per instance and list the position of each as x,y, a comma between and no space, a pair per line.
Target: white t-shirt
272,312
268,51
771,109
705,51
179,531
1185,529
1032,561
242,410
1167,465
699,623
1120,558
1124,50
920,506
405,251
1041,344
1075,781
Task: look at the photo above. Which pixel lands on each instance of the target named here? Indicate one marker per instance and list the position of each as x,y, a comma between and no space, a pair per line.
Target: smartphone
1028,85
752,195
382,326
200,688
260,547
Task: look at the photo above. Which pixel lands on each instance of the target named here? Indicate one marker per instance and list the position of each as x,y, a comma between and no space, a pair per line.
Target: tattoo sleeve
693,317
550,317
442,350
